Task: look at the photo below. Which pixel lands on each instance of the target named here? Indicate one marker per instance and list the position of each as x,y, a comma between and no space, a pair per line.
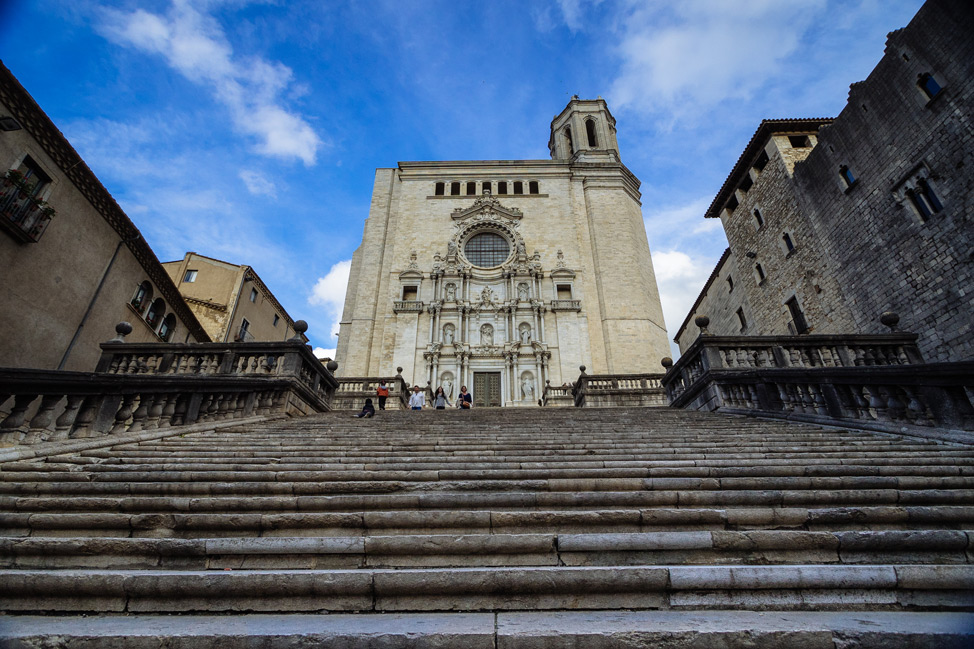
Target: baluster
895,408
213,406
223,407
180,403
86,415
155,411
871,356
794,357
204,411
877,404
10,429
168,409
140,414
239,406
901,357
64,423
784,397
123,413
41,422
818,398
915,410
255,360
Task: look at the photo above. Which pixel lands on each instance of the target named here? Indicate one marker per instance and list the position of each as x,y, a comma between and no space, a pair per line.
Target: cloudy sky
250,131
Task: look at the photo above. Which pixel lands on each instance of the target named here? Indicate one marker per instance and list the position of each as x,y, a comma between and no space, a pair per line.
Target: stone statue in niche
451,292
446,382
522,292
521,252
486,296
449,333
451,248
527,386
525,333
486,333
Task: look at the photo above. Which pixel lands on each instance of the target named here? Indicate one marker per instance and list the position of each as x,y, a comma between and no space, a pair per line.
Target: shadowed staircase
495,528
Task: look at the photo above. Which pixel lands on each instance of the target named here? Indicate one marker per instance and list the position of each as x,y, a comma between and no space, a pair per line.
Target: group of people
417,400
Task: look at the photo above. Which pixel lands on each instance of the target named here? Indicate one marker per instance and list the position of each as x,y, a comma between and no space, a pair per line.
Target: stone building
230,300
832,222
502,275
73,264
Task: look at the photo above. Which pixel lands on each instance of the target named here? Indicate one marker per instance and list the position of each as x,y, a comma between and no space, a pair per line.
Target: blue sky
250,131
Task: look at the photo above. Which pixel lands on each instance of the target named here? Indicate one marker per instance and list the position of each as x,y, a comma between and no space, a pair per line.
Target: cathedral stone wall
878,210
573,285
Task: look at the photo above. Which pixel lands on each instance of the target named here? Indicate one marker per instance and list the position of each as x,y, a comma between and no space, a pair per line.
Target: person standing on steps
418,400
368,410
464,400
440,402
383,393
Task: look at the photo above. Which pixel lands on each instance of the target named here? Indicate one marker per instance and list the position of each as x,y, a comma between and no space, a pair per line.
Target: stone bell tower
584,131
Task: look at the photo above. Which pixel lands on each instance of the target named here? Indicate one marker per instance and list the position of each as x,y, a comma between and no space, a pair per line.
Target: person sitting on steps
368,410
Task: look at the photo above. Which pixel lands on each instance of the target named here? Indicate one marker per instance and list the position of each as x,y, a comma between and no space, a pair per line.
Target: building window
533,187
410,293
564,291
142,297
243,334
190,276
168,327
732,204
277,319
590,131
746,184
253,295
847,176
518,187
502,187
485,188
759,270
439,189
797,317
568,137
930,87
761,162
471,188
487,250
24,215
800,141
155,313
923,199
789,244
758,218
454,189
730,284
35,180
742,319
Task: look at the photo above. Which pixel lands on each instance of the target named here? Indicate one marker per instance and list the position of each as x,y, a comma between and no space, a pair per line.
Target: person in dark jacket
368,409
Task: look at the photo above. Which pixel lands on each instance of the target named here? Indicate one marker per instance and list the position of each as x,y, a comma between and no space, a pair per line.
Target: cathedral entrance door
486,389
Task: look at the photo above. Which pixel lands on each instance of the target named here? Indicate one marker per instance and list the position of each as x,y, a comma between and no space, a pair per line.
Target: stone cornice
40,127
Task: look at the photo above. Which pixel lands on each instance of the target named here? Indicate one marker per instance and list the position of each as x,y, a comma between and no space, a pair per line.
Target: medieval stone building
502,275
832,222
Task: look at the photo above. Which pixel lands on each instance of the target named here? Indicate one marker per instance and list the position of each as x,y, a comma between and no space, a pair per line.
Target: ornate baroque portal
486,315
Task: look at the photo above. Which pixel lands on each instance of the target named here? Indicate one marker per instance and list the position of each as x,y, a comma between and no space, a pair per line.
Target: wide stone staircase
553,527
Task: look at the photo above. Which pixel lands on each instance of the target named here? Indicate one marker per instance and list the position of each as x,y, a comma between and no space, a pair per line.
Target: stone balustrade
877,381
557,395
141,386
352,392
614,390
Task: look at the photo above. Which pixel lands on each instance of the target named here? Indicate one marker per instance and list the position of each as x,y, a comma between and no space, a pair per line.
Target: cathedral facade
505,275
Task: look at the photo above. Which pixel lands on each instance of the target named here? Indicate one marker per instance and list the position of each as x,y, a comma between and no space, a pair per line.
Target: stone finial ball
666,362
300,326
398,370
889,319
702,321
332,365
582,368
123,328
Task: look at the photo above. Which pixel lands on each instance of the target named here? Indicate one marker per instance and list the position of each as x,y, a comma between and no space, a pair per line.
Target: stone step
790,587
443,550
505,630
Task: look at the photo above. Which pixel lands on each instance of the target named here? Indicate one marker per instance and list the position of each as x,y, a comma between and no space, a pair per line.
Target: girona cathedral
504,275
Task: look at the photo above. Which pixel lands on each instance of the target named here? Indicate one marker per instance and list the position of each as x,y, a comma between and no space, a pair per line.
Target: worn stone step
792,587
442,550
514,630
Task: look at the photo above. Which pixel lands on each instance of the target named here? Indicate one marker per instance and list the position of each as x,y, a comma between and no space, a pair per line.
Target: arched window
533,187
142,297
471,188
518,187
590,131
568,136
486,186
454,189
155,313
168,327
439,189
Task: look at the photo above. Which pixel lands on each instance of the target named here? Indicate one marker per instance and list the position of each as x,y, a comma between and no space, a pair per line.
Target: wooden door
486,389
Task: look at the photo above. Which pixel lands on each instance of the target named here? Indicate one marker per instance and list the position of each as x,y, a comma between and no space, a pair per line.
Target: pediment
486,207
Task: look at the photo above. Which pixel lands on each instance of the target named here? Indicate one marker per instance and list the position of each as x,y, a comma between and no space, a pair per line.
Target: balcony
408,306
24,217
566,305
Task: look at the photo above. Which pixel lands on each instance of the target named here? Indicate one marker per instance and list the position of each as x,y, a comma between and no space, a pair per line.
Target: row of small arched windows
154,312
504,188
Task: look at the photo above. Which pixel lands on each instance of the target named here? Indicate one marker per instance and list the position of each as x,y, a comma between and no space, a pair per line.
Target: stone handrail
566,305
139,386
354,390
607,390
878,382
557,395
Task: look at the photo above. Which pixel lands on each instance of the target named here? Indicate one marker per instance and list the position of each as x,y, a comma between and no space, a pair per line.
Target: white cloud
572,10
257,183
251,88
683,225
680,278
329,292
690,56
321,352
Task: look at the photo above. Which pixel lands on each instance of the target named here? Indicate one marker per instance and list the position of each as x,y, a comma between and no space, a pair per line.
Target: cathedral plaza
503,450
